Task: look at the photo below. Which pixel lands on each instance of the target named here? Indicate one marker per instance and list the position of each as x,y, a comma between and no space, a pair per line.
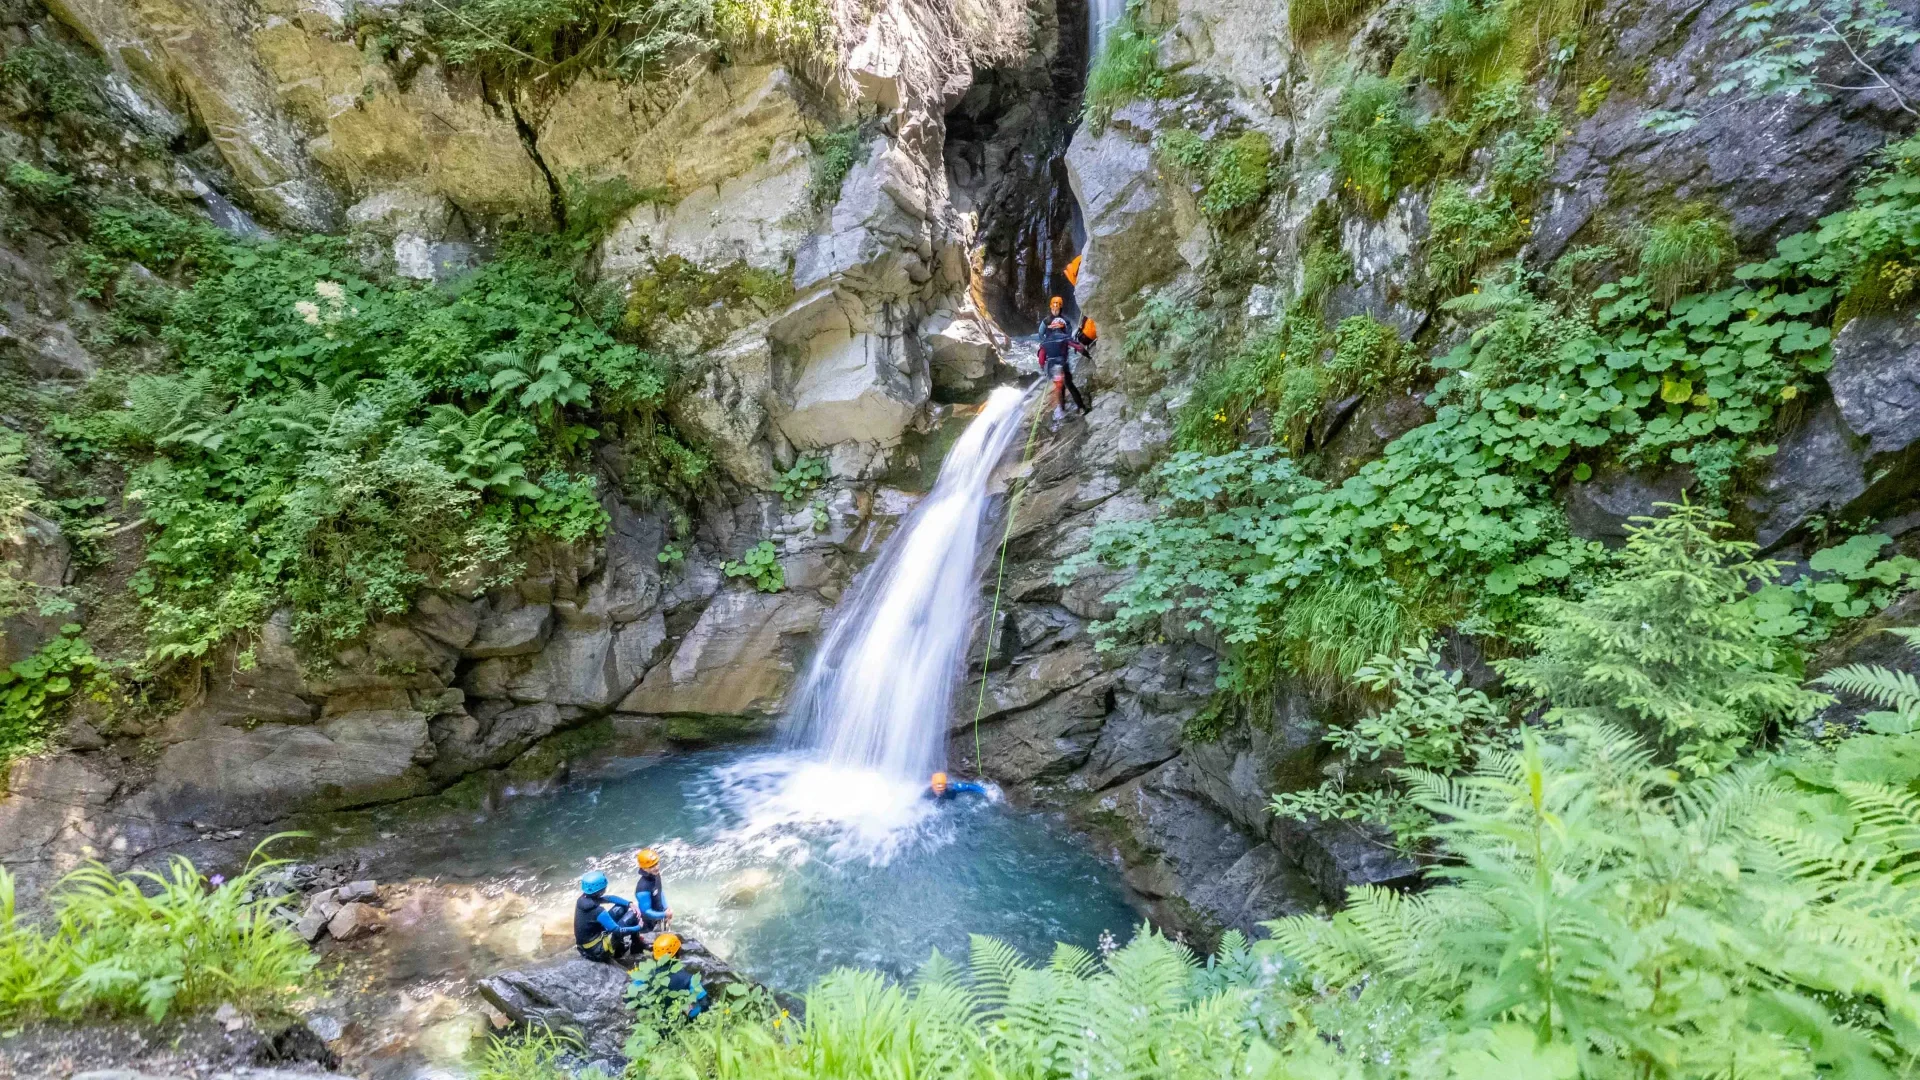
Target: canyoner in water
873,709
941,789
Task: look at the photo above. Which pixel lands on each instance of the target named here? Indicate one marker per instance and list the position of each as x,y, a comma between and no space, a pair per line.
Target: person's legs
1075,391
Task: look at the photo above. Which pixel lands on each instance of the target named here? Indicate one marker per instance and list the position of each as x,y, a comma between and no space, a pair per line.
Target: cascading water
878,695
1101,14
787,861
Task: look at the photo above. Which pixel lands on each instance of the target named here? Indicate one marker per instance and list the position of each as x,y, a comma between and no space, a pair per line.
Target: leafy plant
33,689
39,186
835,153
1593,919
1435,722
761,563
801,481
538,1054
1128,67
149,944
1808,49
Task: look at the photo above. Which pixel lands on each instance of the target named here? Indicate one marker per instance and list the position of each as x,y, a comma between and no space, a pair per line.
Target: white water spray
1101,14
879,693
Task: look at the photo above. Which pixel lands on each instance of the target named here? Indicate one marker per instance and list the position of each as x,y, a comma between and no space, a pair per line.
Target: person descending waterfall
649,894
1056,309
602,926
941,789
668,979
1057,343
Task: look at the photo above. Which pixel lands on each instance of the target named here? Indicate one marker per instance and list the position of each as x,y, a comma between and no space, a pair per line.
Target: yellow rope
1000,580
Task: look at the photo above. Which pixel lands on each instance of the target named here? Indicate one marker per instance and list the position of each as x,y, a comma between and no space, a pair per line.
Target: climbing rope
1000,578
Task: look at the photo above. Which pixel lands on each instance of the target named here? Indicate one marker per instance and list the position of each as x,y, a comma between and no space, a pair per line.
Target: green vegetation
147,944
32,689
1455,522
835,153
1682,254
553,41
1232,173
333,439
1128,67
38,186
1464,45
801,481
667,305
51,79
1588,913
761,564
1701,675
1464,232
1376,140
1306,21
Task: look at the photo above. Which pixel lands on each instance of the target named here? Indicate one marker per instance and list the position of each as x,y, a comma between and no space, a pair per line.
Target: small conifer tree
1670,645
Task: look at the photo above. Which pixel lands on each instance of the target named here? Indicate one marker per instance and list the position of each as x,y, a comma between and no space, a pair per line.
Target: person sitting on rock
666,983
649,893
603,925
941,789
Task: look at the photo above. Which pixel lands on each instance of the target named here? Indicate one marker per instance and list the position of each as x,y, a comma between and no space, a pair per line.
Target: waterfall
1100,15
877,699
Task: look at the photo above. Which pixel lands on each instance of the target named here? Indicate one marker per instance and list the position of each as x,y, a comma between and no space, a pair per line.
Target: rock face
588,999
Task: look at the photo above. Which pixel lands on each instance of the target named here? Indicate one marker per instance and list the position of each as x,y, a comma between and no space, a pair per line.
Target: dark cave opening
1006,162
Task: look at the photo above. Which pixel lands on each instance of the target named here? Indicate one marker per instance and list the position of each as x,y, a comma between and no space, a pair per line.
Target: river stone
570,995
356,920
514,632
1875,380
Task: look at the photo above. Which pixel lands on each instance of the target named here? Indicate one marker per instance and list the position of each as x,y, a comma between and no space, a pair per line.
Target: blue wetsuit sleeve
617,901
607,923
969,786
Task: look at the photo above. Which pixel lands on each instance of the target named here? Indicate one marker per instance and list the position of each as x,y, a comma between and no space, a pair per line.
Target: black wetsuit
650,900
601,934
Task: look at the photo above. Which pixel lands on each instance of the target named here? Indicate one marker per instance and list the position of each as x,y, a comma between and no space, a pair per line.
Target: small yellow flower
1753,313
1789,393
1220,417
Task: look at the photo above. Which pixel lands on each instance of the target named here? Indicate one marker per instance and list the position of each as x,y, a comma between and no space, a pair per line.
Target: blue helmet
594,884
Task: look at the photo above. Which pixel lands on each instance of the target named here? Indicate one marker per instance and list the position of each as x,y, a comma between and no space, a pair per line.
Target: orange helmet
1073,271
1088,330
1055,304
646,858
666,945
939,782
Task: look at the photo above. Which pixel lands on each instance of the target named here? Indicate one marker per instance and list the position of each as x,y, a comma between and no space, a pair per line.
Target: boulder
960,351
257,775
1875,379
514,632
738,660
356,920
1603,507
571,995
726,405
849,388
1820,468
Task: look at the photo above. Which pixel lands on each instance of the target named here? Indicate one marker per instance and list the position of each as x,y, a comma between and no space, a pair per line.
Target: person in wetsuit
667,977
942,789
602,929
649,893
1057,345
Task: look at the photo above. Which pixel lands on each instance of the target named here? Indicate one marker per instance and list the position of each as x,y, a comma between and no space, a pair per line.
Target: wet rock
571,995
1819,469
356,920
1603,507
1047,741
1338,855
358,890
1875,380
960,350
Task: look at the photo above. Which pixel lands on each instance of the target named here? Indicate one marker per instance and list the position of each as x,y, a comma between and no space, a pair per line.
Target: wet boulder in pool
572,994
